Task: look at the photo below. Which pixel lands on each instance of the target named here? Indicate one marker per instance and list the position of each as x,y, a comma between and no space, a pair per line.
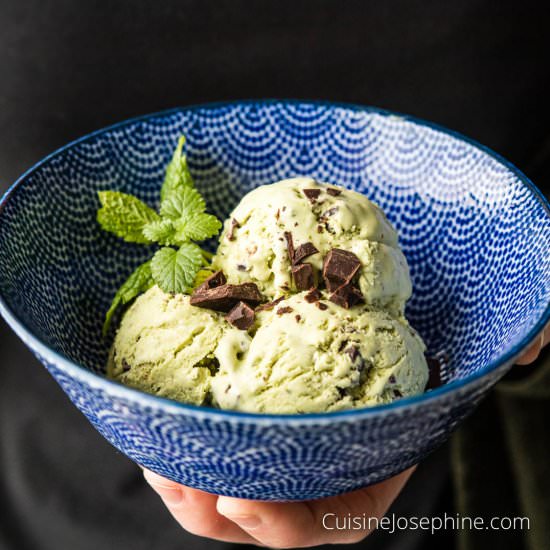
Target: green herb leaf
177,173
175,270
125,216
160,231
185,201
197,227
139,281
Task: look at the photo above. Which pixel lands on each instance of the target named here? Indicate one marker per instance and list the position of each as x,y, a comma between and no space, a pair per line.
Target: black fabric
67,68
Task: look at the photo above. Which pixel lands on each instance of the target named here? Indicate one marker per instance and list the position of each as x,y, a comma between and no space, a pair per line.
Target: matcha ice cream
305,359
166,346
253,247
304,314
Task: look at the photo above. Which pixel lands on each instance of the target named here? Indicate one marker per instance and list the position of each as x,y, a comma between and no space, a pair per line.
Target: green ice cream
253,248
305,359
165,346
297,357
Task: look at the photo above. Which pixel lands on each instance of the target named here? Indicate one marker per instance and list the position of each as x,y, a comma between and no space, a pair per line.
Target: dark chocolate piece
303,276
434,379
397,393
217,279
312,296
231,233
283,310
346,296
270,305
333,191
353,353
312,194
125,365
241,267
321,305
339,267
329,212
298,318
241,316
224,297
290,246
320,229
303,251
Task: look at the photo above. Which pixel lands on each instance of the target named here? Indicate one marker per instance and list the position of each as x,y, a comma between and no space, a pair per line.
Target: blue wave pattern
475,237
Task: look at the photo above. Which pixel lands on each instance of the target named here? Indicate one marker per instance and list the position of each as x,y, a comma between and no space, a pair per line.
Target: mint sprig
181,220
125,216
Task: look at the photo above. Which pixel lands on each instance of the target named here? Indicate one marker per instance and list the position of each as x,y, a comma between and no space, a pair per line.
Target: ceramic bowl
474,229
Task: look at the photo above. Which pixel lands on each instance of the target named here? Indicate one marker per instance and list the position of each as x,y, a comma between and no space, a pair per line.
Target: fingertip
230,506
239,511
171,492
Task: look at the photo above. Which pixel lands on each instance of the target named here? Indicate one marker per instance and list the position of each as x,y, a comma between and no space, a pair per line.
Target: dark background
67,68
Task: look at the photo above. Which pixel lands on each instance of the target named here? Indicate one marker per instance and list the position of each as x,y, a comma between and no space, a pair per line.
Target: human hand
533,352
274,524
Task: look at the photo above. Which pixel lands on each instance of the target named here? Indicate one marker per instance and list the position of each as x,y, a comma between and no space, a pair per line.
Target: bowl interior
475,236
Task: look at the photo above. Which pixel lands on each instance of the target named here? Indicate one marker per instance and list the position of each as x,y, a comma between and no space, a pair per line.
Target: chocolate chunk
241,316
303,276
329,212
241,267
392,379
217,279
434,379
283,310
339,267
312,194
346,296
312,296
224,297
397,393
321,305
320,229
231,233
125,365
290,246
303,251
353,353
298,318
270,305
333,191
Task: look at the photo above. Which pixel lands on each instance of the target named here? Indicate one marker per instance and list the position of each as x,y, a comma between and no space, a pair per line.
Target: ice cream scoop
165,346
313,357
254,243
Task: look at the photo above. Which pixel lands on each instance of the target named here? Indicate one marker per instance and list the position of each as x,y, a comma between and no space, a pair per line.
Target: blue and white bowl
475,230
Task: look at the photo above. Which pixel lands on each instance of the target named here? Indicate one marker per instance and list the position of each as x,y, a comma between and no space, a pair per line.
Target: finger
546,335
196,510
534,349
300,524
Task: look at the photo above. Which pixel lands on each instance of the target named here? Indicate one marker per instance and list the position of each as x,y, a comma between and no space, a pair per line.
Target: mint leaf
160,231
184,201
177,173
175,270
125,216
139,281
197,227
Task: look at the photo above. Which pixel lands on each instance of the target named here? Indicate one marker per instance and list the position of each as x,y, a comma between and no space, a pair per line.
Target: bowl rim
152,401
